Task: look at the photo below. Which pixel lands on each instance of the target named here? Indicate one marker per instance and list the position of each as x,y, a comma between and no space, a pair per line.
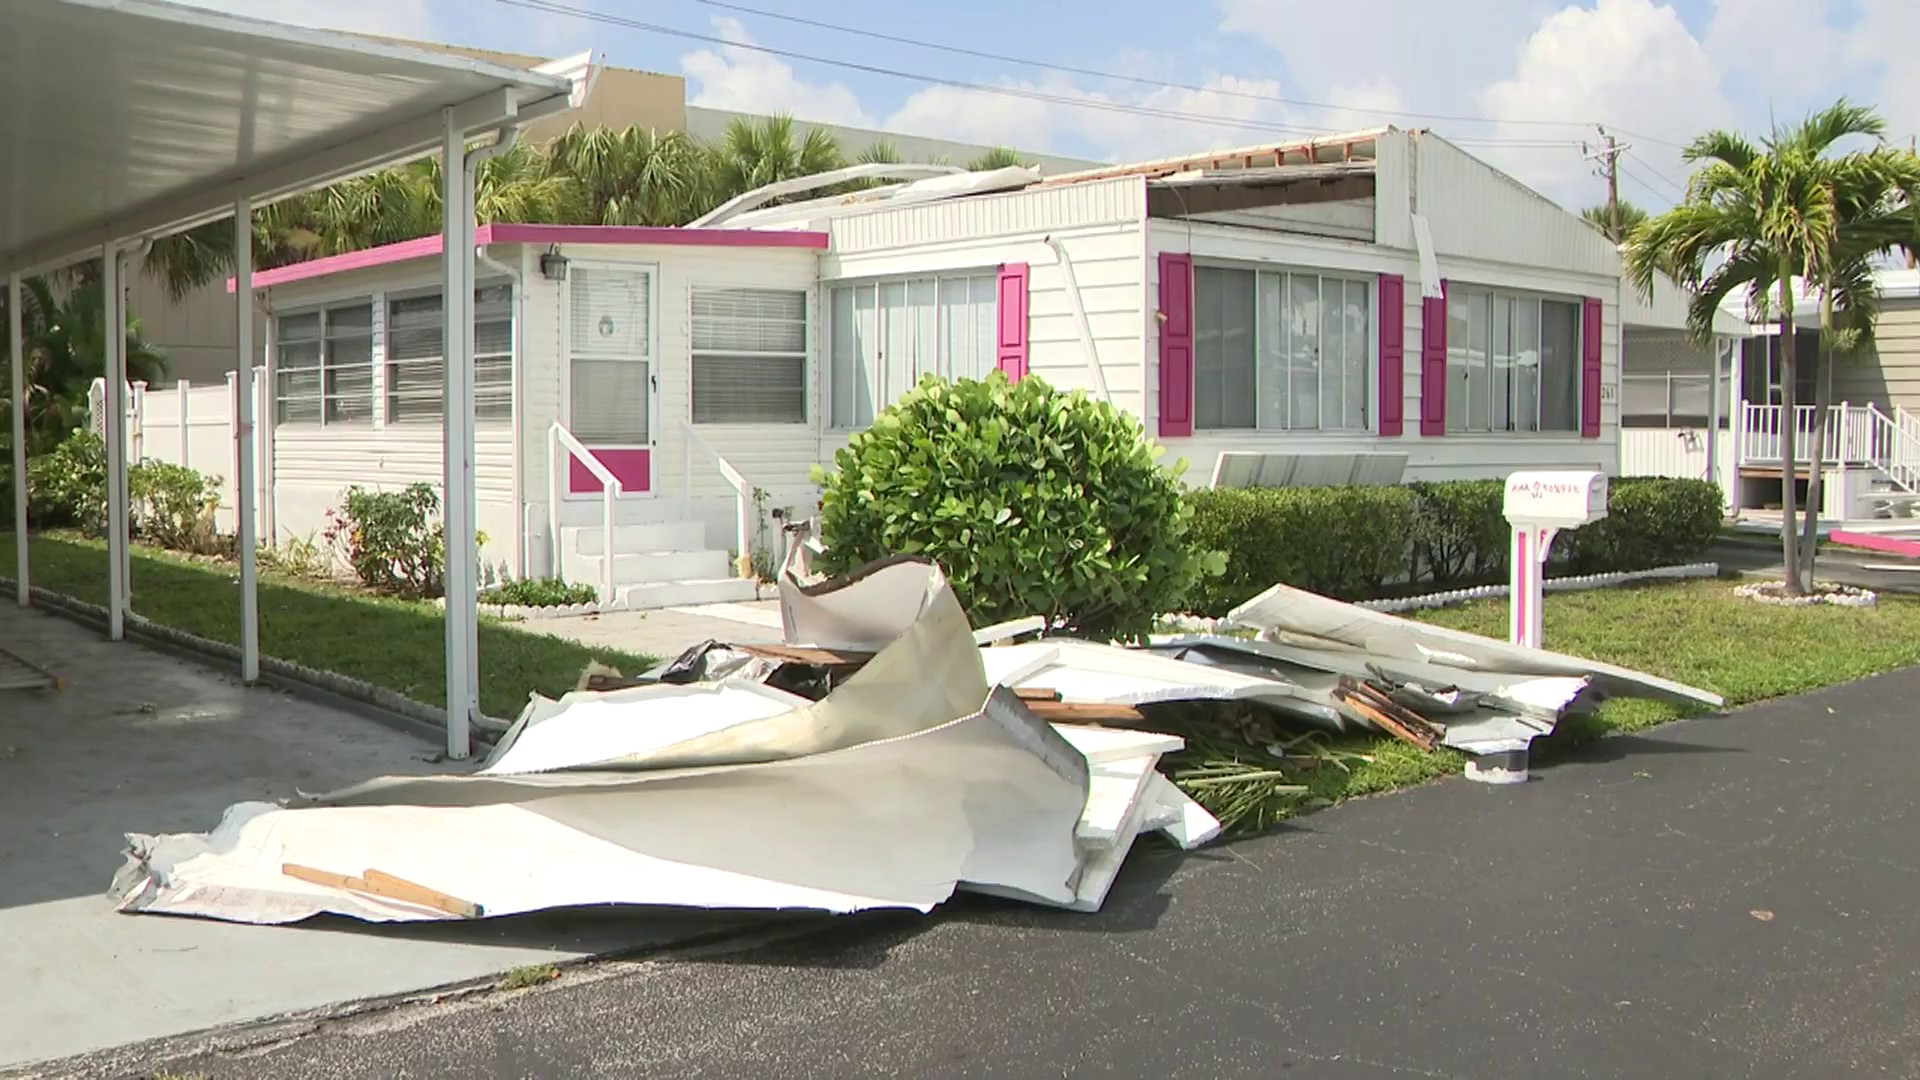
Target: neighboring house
1872,452
197,332
1378,294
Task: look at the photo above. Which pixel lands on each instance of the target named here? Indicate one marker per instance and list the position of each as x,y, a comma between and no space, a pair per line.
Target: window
323,362
610,338
749,356
416,364
1513,361
1671,399
884,336
1280,351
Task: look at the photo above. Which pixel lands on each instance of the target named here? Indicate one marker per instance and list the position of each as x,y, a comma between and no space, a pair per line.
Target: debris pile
885,755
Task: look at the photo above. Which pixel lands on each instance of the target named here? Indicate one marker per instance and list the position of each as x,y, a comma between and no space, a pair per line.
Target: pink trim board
427,247
1891,545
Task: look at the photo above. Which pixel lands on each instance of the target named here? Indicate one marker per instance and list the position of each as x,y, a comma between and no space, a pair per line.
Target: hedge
1357,543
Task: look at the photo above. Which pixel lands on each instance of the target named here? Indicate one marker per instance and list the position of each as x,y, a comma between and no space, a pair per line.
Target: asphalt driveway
1728,897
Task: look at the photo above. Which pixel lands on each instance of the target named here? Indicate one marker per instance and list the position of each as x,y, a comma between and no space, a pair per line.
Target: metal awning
126,120
129,118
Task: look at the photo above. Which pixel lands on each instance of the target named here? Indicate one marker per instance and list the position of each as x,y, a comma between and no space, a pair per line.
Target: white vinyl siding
749,356
416,365
884,336
1513,361
611,342
324,366
1280,350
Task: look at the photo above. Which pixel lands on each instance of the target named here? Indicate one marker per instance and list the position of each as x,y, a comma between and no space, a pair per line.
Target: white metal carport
126,120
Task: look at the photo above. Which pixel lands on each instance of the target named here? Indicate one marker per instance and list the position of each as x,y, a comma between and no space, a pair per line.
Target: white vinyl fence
194,426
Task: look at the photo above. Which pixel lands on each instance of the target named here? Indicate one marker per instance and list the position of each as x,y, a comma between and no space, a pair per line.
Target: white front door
610,373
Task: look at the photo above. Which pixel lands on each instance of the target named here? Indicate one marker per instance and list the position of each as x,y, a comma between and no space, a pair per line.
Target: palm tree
999,157
880,152
753,154
1755,219
1601,217
635,176
64,351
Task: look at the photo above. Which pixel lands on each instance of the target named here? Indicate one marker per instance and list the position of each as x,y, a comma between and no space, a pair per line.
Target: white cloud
1785,48
1631,62
1884,38
750,81
394,18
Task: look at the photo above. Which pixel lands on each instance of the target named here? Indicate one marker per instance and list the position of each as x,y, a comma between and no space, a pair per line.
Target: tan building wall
1889,375
622,97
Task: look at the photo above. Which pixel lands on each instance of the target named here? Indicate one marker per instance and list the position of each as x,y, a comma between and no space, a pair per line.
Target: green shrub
1034,502
1340,541
1651,521
541,592
393,540
1459,533
173,506
1352,542
68,484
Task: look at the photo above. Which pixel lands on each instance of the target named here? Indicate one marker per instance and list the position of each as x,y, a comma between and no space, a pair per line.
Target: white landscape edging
1835,595
555,611
1561,584
1194,624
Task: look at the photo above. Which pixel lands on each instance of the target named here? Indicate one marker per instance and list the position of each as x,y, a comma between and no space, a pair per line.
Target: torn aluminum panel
894,823
1175,815
1082,671
892,791
863,609
1286,611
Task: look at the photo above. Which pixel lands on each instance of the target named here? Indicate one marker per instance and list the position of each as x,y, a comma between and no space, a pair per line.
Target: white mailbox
1538,505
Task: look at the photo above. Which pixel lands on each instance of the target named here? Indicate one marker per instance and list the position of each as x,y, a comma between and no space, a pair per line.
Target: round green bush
1034,502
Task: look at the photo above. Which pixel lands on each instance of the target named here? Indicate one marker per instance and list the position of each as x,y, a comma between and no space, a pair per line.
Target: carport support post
244,530
456,305
16,365
115,338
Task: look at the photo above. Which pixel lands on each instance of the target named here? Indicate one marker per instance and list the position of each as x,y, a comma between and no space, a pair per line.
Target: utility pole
1609,158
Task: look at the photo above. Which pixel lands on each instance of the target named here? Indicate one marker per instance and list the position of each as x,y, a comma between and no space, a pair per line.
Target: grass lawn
1696,632
397,644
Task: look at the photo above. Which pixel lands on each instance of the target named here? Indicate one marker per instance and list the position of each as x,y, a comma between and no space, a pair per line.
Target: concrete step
663,536
663,594
648,567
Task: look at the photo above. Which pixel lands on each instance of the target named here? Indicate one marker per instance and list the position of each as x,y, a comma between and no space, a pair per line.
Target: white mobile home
1382,293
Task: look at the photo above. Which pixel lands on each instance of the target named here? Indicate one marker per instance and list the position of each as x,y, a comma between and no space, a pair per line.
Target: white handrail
558,437
742,494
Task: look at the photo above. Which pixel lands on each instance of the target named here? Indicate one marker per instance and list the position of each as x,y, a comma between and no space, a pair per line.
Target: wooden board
378,883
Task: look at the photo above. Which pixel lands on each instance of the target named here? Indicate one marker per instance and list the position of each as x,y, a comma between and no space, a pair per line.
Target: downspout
504,140
1080,317
514,275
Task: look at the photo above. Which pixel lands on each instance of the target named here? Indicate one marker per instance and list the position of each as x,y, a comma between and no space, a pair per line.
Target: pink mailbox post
1538,505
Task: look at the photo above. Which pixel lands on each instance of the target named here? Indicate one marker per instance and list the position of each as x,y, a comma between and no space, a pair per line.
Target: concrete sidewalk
142,742
1727,897
667,632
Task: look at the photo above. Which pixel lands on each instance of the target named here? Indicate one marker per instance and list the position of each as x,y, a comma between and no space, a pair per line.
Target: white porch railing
558,437
742,495
1857,435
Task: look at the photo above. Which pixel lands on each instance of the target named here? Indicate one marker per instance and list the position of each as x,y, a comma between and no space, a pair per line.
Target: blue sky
1519,82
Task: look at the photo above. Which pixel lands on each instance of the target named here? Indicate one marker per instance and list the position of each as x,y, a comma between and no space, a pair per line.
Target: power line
1673,190
552,7
1138,80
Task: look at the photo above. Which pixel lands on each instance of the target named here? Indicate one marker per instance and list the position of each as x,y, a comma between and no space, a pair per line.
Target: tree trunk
1789,464
1823,398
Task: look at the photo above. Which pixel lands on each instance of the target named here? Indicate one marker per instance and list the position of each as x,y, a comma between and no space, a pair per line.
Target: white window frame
888,394
652,270
322,309
1539,298
387,363
805,355
1369,365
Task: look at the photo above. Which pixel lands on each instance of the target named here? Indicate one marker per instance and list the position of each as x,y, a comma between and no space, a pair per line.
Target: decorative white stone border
1835,595
1560,584
556,611
1194,624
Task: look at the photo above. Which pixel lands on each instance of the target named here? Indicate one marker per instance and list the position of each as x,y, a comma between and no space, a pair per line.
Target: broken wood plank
806,654
1080,712
1032,694
601,683
381,884
1390,716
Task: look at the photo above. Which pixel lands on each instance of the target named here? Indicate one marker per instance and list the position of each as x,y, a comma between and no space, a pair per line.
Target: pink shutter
1010,343
1433,364
1176,344
1590,370
1393,353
